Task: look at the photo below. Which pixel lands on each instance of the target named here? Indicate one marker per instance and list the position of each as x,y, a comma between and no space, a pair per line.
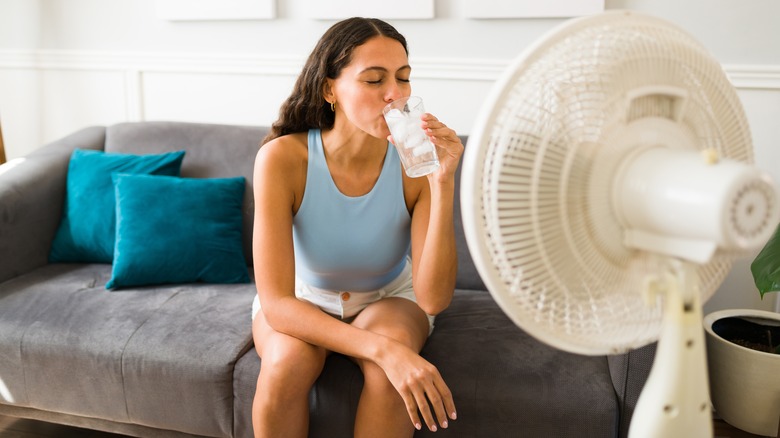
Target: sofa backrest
468,277
220,151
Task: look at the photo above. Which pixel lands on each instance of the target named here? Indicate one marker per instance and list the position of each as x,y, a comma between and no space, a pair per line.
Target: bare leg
381,411
288,369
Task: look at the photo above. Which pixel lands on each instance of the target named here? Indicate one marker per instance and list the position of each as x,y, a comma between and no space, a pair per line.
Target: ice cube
422,149
394,113
400,131
415,138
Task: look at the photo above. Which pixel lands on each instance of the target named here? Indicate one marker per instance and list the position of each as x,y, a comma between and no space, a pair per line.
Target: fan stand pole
675,401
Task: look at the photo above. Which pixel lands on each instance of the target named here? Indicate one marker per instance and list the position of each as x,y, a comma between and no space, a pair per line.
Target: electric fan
606,188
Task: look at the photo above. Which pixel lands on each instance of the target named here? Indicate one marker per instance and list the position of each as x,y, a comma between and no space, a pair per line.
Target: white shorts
346,305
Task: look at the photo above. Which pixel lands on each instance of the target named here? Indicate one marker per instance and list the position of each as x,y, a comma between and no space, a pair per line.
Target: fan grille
558,265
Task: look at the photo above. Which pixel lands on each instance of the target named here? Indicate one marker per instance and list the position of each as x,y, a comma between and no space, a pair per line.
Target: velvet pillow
87,228
178,230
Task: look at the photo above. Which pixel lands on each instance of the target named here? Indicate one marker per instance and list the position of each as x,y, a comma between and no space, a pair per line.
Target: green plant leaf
766,266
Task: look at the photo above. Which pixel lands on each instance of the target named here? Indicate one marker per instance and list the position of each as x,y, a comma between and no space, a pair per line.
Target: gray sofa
178,360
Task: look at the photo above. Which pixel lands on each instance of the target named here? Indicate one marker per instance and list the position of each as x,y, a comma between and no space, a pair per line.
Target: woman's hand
419,383
449,148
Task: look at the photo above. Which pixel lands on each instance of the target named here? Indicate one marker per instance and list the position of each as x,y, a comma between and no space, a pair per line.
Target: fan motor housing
682,203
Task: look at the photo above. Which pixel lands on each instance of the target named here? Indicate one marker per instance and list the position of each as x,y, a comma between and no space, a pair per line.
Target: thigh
397,318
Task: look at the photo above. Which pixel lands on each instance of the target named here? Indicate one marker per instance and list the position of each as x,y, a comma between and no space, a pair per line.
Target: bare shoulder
281,165
282,157
287,150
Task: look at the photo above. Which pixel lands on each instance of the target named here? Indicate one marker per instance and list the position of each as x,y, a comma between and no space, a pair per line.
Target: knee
375,379
290,366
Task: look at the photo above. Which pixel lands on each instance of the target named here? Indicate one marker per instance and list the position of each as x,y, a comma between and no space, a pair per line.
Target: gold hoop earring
333,106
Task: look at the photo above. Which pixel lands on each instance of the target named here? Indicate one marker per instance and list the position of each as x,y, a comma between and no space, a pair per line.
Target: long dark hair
306,108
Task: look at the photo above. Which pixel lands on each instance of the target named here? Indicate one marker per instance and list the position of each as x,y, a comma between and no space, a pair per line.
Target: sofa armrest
32,190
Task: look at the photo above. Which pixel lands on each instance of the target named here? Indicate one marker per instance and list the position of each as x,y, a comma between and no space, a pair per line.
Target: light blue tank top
345,243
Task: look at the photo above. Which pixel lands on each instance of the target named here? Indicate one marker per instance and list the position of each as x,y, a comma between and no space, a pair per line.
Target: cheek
365,107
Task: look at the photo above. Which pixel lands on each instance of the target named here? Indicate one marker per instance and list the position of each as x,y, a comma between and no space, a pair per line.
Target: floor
725,430
20,428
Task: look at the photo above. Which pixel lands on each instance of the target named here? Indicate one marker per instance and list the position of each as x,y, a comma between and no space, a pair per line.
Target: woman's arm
434,256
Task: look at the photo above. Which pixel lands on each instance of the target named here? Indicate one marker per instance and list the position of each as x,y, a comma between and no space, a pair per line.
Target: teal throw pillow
178,230
88,224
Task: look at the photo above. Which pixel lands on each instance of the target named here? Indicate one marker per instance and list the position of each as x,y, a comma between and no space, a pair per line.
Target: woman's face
377,74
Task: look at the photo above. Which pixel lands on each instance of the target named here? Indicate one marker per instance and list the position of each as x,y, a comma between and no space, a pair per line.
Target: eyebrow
382,69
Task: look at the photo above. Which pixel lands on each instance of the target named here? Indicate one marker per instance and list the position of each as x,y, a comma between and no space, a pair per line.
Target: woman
335,218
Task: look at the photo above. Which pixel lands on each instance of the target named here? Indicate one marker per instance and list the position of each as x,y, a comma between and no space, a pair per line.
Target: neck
351,146
354,160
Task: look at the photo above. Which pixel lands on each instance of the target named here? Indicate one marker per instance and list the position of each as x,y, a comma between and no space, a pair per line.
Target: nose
393,92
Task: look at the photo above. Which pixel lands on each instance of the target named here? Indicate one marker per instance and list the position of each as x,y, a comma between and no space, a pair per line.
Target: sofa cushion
526,385
178,367
504,382
161,357
178,230
86,232
58,319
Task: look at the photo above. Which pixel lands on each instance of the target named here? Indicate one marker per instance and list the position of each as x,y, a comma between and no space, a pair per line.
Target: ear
327,90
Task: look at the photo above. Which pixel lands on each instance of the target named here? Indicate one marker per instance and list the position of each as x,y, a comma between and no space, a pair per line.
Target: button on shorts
346,305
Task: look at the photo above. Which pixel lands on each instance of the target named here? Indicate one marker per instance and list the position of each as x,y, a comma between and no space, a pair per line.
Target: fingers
411,408
449,403
441,135
432,398
433,127
440,397
425,410
431,393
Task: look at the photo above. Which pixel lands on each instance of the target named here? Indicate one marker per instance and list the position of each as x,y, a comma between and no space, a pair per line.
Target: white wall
65,64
